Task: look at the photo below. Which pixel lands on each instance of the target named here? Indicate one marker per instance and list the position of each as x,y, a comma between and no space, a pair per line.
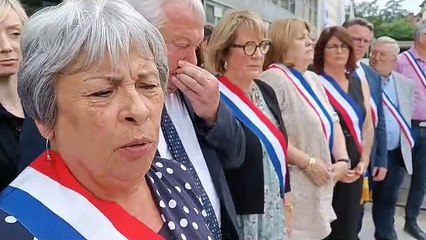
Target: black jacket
247,182
10,128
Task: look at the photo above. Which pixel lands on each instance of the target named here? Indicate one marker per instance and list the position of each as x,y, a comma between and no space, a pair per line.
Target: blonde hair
282,34
15,5
225,33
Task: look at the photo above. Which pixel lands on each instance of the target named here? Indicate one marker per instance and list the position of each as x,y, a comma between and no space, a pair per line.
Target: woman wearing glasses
236,51
314,133
335,60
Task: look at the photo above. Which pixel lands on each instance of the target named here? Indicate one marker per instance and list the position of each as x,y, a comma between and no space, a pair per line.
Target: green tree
398,29
389,21
393,10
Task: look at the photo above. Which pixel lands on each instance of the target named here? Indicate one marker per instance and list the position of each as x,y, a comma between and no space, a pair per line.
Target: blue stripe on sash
400,114
319,103
348,98
415,62
269,148
36,217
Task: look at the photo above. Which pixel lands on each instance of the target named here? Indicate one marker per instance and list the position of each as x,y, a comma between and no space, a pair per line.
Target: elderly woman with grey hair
94,84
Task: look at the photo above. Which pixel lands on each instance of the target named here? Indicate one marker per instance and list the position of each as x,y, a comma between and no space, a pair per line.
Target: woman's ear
44,131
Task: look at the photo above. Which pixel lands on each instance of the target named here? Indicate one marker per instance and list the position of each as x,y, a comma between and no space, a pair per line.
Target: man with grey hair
412,64
398,104
207,131
95,85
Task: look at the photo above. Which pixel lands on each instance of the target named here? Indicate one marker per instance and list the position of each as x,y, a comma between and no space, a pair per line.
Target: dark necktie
175,146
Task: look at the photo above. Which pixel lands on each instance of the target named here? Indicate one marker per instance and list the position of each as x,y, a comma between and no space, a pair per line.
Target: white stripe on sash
419,71
405,128
67,204
353,121
326,120
278,154
374,114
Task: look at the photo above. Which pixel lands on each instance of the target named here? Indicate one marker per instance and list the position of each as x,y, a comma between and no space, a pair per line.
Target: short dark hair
358,21
343,35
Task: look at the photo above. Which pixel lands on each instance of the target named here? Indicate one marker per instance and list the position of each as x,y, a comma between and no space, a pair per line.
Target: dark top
247,183
168,179
10,129
355,92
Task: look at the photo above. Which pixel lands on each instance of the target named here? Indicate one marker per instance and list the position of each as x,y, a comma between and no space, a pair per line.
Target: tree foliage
390,21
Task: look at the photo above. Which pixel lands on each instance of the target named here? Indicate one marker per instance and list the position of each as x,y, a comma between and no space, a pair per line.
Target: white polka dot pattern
178,202
179,154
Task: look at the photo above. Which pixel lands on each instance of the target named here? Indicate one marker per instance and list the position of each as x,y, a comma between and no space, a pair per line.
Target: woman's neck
9,97
338,74
300,68
8,90
421,50
243,83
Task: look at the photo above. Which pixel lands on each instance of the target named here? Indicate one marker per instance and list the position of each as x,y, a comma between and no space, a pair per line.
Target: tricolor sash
254,119
51,204
308,94
374,114
405,128
419,71
346,106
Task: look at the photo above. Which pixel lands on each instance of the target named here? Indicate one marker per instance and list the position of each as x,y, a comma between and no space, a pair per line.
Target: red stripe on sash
349,123
307,100
420,75
128,225
237,91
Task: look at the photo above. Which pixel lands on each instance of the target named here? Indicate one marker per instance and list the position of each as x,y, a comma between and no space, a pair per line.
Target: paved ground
367,232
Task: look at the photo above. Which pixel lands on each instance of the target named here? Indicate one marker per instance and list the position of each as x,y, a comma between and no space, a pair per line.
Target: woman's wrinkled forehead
108,61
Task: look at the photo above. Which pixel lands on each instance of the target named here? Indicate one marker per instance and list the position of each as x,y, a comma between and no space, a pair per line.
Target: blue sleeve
31,144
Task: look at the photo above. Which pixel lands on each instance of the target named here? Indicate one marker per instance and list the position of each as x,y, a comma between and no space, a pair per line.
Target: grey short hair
419,29
152,9
358,21
388,40
80,32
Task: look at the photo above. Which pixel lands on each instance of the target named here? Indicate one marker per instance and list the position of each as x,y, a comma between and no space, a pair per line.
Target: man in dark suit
210,139
362,32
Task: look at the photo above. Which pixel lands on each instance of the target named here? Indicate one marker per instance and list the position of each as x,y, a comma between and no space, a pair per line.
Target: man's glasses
251,47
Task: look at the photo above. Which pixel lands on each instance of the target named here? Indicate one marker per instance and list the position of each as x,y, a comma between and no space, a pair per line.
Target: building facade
319,13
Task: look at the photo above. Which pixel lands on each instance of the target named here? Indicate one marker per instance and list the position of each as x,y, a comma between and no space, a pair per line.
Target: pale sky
410,5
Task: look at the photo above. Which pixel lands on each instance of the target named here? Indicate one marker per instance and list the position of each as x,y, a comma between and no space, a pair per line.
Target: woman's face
10,49
336,53
108,121
247,61
301,52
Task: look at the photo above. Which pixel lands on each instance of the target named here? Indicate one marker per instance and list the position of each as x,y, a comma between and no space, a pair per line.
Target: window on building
210,14
292,6
313,7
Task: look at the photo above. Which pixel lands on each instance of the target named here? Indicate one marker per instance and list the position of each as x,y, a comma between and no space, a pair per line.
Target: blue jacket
379,151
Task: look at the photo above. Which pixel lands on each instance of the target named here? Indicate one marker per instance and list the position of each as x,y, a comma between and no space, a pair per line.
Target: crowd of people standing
129,119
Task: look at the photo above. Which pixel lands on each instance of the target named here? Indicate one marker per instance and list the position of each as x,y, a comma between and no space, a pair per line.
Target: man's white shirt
179,114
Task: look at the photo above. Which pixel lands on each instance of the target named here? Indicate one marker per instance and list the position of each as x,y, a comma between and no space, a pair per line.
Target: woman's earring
225,65
48,158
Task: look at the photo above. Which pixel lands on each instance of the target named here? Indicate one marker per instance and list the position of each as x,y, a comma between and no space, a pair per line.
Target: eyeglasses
335,47
251,47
